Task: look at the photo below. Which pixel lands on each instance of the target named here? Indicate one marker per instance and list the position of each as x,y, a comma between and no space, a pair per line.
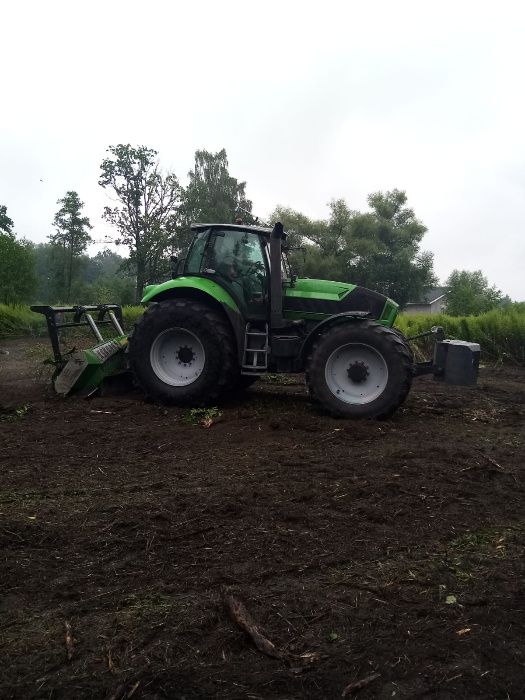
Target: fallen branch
70,648
240,615
244,620
492,461
355,687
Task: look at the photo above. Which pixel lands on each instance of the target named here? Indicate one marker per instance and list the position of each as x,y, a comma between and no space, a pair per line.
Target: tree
393,264
17,274
50,273
106,279
146,216
213,194
72,234
469,293
6,224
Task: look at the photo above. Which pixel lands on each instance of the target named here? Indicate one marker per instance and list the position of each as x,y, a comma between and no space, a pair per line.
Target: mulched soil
385,551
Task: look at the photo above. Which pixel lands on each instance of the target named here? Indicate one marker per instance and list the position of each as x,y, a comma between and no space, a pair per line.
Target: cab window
237,258
195,255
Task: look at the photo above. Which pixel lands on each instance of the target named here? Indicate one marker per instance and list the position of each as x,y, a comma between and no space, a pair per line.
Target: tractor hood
317,299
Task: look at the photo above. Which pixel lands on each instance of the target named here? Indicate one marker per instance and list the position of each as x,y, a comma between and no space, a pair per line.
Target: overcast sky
312,101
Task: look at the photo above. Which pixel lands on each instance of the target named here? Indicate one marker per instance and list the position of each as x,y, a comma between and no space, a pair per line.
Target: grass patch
280,379
148,602
12,414
202,416
27,496
467,554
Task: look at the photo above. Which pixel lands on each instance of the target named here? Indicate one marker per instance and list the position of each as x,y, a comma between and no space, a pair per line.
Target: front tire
359,370
181,352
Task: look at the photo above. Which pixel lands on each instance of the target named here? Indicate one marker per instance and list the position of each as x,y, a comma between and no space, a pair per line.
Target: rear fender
206,291
336,319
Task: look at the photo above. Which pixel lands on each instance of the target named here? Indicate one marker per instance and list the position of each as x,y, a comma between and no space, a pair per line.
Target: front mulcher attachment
86,371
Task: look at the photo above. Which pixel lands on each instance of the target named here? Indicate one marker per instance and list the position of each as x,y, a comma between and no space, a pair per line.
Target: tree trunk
69,274
141,274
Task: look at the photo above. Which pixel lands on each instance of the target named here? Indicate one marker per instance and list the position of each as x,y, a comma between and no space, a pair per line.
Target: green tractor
234,311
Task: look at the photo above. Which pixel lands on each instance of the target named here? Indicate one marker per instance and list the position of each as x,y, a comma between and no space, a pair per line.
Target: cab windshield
196,252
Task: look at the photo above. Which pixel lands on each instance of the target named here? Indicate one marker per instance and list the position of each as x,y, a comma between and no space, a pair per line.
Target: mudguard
203,286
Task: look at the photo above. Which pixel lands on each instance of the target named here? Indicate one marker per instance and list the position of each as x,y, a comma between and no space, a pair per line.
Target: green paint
389,313
88,368
327,290
188,282
319,289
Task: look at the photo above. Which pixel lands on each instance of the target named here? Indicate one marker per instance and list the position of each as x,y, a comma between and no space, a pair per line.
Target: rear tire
359,370
181,352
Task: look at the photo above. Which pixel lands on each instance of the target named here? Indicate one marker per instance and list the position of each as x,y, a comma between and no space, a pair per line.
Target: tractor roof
238,227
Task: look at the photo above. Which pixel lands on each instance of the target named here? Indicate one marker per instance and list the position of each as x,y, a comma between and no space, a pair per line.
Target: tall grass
501,334
130,315
18,321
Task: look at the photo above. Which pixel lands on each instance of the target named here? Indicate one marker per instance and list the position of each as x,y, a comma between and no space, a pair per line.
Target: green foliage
50,273
71,236
17,270
146,214
106,279
212,193
202,416
100,279
469,293
6,224
500,333
15,413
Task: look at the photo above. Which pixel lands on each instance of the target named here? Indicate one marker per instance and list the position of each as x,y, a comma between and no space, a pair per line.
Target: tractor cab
242,260
237,258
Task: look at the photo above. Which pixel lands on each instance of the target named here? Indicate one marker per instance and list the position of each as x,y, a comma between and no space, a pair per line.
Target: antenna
257,220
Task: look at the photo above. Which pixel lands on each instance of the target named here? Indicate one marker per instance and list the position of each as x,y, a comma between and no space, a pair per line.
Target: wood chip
355,687
70,648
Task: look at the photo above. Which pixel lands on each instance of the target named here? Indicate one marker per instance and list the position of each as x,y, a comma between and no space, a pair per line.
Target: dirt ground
384,552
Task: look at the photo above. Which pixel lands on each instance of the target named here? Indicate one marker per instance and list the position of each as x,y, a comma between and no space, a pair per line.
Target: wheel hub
177,357
185,355
357,372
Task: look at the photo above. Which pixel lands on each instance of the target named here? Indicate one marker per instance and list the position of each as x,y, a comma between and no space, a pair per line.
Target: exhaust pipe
276,282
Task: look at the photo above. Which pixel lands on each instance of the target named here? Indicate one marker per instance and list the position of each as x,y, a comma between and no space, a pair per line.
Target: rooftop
430,295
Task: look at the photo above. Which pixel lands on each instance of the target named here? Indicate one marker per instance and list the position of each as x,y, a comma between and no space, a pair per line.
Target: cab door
236,259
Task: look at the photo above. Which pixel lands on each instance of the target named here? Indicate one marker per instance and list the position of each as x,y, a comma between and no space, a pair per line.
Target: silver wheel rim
177,357
356,373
